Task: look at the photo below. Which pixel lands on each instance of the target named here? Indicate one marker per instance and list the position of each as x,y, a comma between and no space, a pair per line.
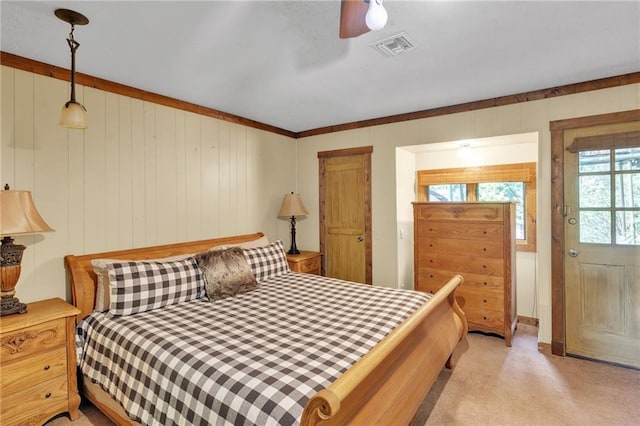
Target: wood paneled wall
141,174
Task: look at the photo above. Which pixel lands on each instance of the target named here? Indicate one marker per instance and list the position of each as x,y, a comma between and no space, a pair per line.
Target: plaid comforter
255,358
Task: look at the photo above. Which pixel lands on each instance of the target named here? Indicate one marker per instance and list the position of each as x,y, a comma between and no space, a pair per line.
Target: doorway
596,237
345,214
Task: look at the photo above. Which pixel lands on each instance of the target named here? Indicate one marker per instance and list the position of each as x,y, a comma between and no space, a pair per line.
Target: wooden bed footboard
390,382
386,386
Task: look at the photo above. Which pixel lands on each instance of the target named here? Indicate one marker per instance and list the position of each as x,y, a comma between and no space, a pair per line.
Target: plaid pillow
268,261
143,286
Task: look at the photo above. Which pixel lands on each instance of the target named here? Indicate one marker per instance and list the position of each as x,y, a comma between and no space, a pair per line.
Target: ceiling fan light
377,16
73,116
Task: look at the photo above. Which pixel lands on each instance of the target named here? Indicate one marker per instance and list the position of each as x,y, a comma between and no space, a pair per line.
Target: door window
609,196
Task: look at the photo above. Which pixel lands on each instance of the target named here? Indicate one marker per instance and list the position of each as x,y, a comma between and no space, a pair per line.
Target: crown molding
42,68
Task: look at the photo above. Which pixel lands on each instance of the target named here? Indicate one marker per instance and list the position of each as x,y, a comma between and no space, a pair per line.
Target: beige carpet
495,385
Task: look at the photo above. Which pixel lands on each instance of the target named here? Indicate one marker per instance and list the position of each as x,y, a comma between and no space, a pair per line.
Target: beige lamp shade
292,206
73,115
18,214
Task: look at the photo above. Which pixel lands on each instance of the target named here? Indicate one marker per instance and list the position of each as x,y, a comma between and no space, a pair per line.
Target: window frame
471,176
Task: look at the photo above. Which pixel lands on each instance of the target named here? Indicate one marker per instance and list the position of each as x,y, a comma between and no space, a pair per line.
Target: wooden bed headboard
82,279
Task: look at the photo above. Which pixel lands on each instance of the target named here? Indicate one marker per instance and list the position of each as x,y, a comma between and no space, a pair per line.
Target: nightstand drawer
310,266
32,340
27,372
308,262
33,405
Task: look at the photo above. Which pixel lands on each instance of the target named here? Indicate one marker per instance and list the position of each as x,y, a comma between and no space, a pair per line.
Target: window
609,196
511,182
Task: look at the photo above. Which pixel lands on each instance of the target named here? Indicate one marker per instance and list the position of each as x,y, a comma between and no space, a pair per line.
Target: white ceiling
282,63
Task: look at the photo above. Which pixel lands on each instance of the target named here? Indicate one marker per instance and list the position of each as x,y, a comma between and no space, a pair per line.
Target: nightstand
38,363
309,262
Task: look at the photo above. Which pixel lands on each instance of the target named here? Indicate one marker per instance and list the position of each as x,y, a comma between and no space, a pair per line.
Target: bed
383,384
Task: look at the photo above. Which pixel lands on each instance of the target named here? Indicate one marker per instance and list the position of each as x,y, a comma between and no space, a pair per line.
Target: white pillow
260,242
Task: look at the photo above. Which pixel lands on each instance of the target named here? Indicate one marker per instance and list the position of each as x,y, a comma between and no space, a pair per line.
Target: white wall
405,195
524,117
141,174
507,149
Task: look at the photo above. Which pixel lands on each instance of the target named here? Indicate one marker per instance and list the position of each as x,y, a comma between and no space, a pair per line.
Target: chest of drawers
477,241
37,364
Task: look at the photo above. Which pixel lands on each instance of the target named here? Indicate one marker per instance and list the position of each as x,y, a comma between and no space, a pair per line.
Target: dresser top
37,313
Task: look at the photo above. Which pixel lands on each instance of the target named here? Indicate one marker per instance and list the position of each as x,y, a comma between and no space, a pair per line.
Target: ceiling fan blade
352,18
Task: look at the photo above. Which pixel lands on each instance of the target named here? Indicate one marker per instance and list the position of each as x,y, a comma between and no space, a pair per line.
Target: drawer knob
485,283
484,318
484,266
47,395
485,301
47,367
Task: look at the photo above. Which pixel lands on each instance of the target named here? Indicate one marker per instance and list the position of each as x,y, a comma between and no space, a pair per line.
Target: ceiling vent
394,45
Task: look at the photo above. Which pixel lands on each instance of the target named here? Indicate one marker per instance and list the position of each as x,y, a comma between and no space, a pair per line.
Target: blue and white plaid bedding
255,358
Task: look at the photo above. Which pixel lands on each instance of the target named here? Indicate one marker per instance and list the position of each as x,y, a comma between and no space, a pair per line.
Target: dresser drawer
32,340
461,264
484,283
428,279
34,404
477,248
461,231
485,320
460,212
467,297
26,372
431,280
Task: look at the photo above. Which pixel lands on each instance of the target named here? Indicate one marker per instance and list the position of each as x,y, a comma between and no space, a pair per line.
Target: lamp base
11,305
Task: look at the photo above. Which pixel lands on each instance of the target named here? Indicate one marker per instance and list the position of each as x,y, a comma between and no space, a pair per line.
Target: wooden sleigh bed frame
386,386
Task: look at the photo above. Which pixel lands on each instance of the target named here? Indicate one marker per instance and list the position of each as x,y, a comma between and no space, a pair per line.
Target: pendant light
73,112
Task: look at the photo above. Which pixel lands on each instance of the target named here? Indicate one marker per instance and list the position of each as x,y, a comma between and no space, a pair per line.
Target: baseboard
544,348
528,320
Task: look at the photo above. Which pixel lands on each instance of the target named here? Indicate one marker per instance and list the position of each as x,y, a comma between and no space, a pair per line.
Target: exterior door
345,214
602,243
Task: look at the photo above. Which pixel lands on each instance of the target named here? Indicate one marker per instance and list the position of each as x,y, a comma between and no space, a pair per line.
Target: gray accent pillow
226,273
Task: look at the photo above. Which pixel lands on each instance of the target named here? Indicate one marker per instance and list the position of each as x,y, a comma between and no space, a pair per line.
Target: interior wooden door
345,214
602,242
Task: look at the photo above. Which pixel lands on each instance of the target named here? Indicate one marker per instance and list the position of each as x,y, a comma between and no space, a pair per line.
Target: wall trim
528,320
552,92
42,68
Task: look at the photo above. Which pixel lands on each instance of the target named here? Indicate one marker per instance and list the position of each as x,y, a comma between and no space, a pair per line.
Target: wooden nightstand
38,363
309,262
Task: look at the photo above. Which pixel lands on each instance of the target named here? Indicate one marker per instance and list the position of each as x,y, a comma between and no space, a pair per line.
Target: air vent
394,45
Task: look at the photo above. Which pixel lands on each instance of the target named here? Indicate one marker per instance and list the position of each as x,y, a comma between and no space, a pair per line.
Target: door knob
360,239
573,253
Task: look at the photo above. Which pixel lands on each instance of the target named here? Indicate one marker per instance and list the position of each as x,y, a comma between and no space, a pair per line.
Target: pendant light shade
73,115
73,112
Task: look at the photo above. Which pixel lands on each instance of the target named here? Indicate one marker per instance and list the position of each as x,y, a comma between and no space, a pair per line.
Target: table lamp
292,206
18,216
